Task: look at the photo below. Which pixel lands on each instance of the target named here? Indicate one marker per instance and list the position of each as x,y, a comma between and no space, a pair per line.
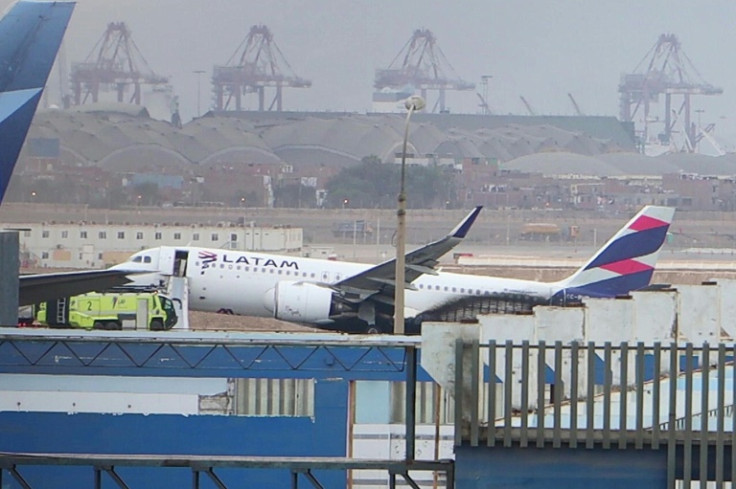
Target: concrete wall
687,313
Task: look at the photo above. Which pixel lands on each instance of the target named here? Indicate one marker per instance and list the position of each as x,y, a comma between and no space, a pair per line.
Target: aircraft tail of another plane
626,262
30,35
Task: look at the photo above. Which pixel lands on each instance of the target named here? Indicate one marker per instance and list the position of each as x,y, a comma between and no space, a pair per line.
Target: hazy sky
541,49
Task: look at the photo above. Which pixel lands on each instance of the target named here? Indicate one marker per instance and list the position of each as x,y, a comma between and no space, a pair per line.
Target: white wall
85,245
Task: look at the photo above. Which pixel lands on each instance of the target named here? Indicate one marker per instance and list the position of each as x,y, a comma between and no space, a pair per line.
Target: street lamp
412,104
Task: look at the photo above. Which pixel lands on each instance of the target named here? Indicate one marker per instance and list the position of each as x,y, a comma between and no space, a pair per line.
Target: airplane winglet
462,229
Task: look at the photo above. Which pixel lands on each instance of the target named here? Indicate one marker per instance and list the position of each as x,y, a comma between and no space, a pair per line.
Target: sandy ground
211,321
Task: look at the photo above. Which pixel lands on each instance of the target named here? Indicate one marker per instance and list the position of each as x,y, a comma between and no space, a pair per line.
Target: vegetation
373,184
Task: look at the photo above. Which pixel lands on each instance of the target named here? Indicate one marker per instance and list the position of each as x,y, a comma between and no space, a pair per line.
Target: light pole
199,86
413,103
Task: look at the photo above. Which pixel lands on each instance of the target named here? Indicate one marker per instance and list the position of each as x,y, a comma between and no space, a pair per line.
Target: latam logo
209,257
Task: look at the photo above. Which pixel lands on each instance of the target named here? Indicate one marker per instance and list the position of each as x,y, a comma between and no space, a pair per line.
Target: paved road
493,228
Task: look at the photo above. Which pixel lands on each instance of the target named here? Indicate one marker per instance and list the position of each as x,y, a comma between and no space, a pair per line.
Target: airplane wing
379,282
43,287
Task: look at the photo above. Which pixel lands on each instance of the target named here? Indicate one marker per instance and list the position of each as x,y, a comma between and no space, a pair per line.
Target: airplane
358,298
30,36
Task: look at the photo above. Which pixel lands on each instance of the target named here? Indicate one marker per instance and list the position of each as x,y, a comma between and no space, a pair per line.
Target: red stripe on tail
646,222
626,267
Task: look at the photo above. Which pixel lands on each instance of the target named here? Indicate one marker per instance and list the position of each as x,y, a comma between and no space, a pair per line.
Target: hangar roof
127,138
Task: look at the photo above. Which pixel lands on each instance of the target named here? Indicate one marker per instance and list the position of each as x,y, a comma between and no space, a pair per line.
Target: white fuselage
243,282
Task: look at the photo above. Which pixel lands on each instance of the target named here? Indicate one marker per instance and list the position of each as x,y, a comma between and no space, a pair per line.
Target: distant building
91,245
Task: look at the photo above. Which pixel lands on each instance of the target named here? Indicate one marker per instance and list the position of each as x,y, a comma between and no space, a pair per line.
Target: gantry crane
421,65
114,63
527,105
257,64
575,105
665,70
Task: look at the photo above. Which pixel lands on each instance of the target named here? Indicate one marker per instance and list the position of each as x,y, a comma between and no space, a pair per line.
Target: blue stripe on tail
612,287
13,131
640,243
30,35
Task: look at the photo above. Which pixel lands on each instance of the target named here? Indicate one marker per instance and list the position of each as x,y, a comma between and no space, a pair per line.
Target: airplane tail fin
626,262
30,35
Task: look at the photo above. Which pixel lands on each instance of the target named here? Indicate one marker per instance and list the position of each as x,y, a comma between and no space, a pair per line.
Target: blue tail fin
626,262
30,35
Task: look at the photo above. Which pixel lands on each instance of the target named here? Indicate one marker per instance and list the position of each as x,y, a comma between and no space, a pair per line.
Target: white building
85,245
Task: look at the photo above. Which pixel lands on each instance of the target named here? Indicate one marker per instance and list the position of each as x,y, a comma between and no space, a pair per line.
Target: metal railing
675,397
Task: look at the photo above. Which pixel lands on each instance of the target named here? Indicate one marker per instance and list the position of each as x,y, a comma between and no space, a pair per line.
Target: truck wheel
98,325
113,326
157,325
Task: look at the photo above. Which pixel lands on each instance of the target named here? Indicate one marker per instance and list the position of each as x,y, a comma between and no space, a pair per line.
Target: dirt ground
212,321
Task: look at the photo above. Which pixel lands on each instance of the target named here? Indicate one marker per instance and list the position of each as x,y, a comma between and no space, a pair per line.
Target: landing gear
382,326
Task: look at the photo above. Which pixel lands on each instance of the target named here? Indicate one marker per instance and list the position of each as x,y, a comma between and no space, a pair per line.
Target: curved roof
562,164
124,137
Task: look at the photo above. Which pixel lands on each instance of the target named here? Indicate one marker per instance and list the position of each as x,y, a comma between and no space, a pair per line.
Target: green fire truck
109,311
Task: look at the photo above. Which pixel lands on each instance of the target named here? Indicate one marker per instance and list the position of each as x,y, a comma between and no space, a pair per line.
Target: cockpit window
137,259
146,259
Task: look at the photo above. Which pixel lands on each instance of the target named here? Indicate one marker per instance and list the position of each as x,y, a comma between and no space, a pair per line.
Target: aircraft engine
302,302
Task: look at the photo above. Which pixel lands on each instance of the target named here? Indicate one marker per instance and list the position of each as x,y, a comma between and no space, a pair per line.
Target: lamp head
416,102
